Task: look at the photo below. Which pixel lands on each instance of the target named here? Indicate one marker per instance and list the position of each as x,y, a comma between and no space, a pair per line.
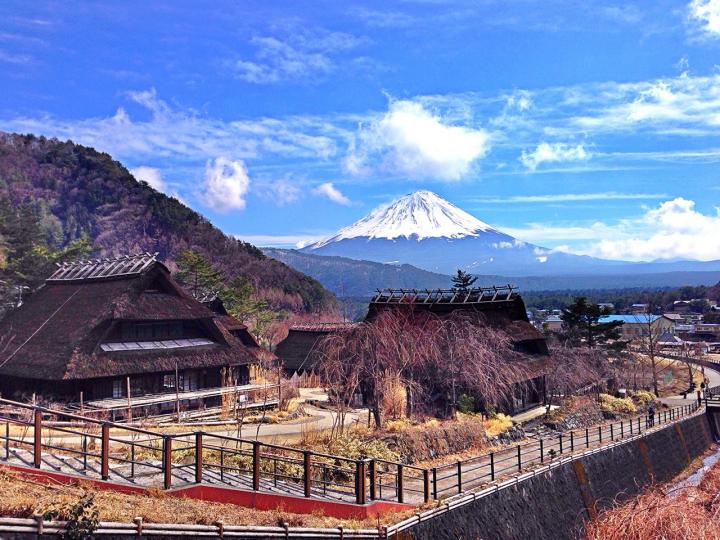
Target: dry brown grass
685,514
22,497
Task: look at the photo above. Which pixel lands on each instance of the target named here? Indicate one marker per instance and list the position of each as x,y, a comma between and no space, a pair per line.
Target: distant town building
641,324
639,308
553,323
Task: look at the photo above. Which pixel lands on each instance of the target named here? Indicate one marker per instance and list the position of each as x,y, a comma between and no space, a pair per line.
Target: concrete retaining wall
555,505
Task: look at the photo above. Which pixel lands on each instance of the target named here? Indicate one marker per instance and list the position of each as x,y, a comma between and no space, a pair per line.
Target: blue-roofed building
640,324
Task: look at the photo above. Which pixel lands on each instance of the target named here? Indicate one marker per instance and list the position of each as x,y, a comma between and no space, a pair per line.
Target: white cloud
553,152
225,185
674,229
411,140
331,192
707,14
151,176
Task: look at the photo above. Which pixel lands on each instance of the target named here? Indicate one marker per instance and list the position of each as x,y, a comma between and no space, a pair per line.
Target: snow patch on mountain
422,214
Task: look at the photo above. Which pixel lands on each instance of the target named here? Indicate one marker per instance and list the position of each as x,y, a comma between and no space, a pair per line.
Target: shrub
643,397
466,404
498,424
612,404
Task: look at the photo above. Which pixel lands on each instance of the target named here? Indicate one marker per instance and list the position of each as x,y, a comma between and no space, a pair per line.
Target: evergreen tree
463,280
197,274
581,322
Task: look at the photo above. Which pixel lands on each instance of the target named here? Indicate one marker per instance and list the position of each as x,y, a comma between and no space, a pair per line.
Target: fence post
198,457
639,427
542,452
105,452
492,466
307,475
600,434
256,465
519,459
587,437
373,475
359,482
37,439
561,445
459,472
167,462
622,430
572,442
426,485
612,432
434,482
7,441
400,495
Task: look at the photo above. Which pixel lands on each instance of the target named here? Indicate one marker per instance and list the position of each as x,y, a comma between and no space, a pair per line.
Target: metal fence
34,527
50,439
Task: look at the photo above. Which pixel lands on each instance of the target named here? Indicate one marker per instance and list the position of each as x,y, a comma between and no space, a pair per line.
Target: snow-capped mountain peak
422,214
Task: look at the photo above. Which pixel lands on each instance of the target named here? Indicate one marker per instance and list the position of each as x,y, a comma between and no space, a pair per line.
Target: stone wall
555,505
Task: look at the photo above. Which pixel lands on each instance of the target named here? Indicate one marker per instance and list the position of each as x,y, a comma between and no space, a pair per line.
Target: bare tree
648,345
574,368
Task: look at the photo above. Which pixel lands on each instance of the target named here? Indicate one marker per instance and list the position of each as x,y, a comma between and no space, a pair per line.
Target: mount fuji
429,232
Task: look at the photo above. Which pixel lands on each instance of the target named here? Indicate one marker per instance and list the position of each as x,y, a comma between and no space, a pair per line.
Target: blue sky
590,127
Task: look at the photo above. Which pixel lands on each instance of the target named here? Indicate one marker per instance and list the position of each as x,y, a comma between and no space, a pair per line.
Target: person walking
651,416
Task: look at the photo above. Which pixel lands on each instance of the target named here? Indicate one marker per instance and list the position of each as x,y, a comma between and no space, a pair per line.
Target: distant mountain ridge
353,278
424,230
80,192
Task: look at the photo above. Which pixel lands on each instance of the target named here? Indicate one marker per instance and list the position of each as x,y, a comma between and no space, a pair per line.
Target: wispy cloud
298,57
329,191
185,134
281,240
571,197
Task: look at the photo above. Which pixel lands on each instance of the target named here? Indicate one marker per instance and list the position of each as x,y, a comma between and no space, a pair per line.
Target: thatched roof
56,334
499,307
297,350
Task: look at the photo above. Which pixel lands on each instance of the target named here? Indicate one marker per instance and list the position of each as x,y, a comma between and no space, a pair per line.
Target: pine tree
197,274
581,322
463,280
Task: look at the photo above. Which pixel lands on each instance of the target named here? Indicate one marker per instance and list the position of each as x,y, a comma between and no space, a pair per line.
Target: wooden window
117,388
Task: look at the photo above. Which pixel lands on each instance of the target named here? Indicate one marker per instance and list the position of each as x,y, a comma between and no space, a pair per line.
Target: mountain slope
81,192
425,230
428,232
353,278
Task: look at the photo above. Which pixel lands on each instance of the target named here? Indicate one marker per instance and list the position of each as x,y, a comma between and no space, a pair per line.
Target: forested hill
80,192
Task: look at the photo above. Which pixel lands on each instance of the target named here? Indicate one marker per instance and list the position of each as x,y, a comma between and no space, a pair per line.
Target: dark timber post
167,462
105,452
307,473
459,472
587,438
561,445
542,452
256,465
360,481
400,494
198,457
519,458
37,439
373,474
426,485
492,466
572,442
